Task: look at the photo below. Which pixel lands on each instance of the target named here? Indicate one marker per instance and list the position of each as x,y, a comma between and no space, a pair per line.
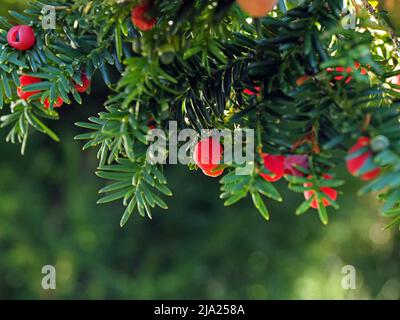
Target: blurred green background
196,250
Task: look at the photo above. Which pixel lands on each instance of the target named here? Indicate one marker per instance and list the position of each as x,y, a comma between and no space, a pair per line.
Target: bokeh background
198,249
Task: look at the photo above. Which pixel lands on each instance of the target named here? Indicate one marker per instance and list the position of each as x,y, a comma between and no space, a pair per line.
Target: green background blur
196,250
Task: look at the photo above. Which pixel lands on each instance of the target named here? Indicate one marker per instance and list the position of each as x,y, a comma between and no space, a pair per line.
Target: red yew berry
300,81
363,71
274,164
395,80
346,73
25,80
141,18
355,163
290,163
342,70
208,154
85,84
256,8
252,92
151,123
59,102
213,173
21,37
329,193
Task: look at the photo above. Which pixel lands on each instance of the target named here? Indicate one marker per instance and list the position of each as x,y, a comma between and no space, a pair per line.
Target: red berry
252,92
208,154
300,81
342,70
356,163
395,80
363,71
256,8
300,160
85,84
274,164
348,71
327,191
212,173
141,19
151,123
59,102
26,81
21,37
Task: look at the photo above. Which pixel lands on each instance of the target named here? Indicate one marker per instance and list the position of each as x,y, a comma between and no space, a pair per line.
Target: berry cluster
22,37
208,155
346,74
144,19
26,80
359,163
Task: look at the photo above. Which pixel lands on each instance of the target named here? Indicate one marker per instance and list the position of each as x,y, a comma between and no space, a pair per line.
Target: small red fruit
21,37
290,163
25,80
346,73
208,154
274,164
141,18
256,8
354,164
59,102
151,123
395,80
363,71
252,92
213,173
327,191
85,84
300,81
342,70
